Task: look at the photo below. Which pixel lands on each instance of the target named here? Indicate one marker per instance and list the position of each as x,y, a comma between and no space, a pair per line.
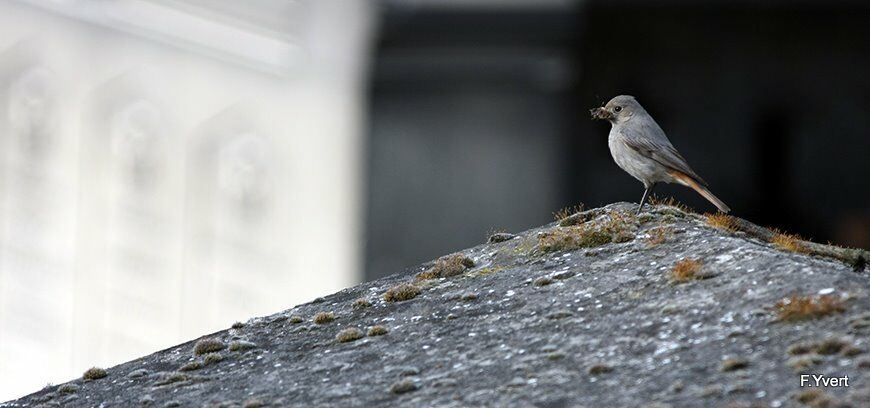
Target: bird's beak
601,113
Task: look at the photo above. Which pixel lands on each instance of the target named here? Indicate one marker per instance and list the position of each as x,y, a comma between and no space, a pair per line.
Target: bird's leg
645,195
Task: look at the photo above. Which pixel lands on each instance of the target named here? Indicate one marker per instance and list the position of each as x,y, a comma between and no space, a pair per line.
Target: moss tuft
789,242
658,236
734,364
361,303
348,335
828,346
600,368
253,403
808,307
685,270
499,236
208,345
323,317
543,281
448,266
816,399
669,202
797,349
614,227
831,346
296,319
191,366
567,212
237,325
570,238
212,358
852,351
241,345
171,378
722,221
489,270
802,363
377,330
401,292
403,386
67,389
94,373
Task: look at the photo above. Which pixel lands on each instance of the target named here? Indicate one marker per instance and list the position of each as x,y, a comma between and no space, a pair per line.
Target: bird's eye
617,109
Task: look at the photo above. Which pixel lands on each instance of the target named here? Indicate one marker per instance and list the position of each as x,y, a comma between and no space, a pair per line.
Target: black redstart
639,146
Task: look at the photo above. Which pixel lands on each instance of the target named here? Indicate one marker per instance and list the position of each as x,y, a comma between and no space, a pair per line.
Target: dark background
479,115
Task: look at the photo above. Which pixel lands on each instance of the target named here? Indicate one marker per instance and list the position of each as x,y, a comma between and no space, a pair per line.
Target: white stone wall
165,172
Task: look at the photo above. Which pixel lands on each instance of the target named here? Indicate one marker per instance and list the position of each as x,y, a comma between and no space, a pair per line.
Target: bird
640,147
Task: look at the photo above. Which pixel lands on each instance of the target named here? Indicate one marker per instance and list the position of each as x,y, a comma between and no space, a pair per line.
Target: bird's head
618,110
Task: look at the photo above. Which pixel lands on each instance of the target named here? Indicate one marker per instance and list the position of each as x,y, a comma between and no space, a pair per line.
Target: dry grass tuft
401,292
208,345
685,270
323,317
94,373
789,242
567,212
808,307
348,335
448,266
722,221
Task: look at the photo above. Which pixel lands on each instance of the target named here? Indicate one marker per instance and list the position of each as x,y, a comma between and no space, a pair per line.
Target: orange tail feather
703,191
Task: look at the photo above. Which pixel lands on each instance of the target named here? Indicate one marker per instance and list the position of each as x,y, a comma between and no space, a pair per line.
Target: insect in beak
601,113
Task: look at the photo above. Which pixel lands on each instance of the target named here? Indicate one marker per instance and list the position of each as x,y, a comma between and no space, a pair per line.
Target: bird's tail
702,190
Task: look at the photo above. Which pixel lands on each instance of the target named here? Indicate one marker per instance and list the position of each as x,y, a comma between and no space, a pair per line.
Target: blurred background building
168,167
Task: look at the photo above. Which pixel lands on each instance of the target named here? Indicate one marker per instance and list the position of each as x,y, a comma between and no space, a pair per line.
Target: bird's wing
650,141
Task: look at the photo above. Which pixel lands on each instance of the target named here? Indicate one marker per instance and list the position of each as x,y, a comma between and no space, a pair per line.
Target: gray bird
639,146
